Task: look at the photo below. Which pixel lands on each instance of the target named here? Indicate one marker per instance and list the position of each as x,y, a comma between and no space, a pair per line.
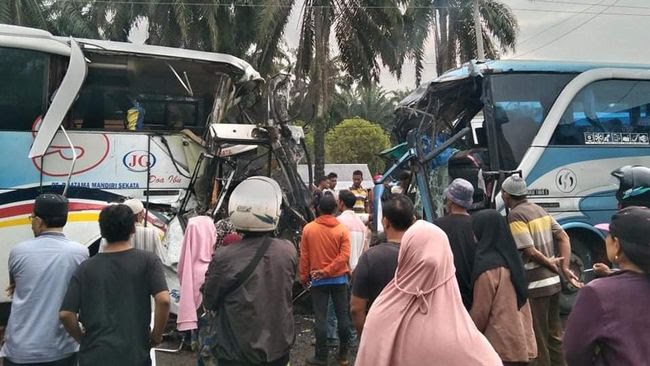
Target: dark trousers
320,296
68,361
282,361
548,329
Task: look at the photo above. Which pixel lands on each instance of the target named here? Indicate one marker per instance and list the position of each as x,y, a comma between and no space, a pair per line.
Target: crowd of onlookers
471,288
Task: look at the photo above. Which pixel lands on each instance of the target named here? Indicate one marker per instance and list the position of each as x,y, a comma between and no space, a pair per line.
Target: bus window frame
573,112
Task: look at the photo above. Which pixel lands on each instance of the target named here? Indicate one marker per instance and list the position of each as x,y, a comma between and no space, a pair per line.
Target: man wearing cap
457,224
536,233
39,272
144,238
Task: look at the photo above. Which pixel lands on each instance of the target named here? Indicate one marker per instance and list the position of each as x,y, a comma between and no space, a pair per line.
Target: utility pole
480,52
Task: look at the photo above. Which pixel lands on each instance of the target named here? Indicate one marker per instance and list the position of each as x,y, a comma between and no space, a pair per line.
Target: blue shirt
41,268
338,280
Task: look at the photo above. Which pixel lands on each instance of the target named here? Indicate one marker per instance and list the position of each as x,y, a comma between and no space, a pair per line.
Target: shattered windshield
521,102
441,114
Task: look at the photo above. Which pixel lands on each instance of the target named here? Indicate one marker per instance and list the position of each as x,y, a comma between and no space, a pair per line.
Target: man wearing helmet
634,186
249,284
633,190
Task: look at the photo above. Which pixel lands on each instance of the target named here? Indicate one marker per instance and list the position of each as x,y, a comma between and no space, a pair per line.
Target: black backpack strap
242,276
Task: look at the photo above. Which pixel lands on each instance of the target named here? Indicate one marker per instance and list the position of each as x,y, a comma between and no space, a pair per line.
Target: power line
581,12
557,24
564,2
284,5
567,32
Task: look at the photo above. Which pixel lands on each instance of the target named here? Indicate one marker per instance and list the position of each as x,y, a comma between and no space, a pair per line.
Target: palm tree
366,31
371,103
210,25
29,13
93,19
452,22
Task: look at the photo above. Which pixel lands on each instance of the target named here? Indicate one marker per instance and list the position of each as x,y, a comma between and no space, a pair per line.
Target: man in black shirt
457,224
376,267
111,292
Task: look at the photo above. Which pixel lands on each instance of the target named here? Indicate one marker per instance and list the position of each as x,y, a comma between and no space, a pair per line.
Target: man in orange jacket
324,255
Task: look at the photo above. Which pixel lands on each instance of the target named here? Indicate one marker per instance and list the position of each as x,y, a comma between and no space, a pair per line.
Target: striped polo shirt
532,226
361,194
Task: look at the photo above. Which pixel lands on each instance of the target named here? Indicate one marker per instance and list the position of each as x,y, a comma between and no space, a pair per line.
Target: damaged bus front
563,126
103,121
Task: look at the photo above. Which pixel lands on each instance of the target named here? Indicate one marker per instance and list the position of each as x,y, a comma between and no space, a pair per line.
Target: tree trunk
443,49
319,86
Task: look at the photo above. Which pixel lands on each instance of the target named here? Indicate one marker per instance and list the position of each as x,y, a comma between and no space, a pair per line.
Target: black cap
632,224
50,205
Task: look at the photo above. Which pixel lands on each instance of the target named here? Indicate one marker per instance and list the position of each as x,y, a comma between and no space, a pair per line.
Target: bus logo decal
566,180
139,160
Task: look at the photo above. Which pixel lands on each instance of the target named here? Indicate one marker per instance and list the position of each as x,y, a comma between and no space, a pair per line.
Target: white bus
106,121
563,126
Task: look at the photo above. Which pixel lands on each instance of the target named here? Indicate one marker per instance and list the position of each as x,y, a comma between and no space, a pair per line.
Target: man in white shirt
144,238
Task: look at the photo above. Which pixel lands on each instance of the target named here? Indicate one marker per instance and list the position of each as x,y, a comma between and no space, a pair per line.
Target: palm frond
418,18
271,22
306,43
500,22
182,16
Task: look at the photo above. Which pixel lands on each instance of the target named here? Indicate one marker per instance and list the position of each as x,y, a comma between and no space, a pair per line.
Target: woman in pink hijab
419,317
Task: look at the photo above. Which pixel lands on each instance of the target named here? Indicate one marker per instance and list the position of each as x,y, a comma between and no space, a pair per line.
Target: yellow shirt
362,197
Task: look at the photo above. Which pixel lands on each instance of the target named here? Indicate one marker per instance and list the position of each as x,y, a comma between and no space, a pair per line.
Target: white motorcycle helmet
255,204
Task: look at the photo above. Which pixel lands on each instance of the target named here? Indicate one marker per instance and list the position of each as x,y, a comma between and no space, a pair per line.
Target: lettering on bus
538,192
139,160
170,179
101,185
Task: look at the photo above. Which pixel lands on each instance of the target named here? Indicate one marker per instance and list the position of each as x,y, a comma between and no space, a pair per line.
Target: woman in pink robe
419,318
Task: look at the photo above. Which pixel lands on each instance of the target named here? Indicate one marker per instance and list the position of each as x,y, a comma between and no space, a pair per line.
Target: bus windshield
521,103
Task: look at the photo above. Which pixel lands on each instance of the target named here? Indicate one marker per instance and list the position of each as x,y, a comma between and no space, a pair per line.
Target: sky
577,30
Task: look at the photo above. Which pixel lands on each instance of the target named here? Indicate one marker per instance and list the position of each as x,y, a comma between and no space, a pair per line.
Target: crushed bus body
103,121
563,126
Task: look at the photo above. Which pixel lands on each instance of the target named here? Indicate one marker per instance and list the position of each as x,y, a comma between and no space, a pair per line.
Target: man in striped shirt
536,233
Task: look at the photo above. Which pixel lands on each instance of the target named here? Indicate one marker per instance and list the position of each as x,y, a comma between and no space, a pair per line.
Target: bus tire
581,259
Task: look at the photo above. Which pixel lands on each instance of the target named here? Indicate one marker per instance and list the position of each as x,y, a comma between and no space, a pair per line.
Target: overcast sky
583,30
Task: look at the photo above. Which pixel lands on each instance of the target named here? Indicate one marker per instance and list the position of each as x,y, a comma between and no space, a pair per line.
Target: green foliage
453,31
28,13
208,25
371,103
356,140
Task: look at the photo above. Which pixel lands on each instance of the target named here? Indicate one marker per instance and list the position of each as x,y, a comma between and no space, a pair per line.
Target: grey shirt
256,322
41,268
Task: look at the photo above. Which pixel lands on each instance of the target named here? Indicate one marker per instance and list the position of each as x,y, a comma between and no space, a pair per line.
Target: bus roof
476,68
41,40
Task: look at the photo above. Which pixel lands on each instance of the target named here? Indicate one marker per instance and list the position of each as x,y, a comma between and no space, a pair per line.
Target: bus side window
607,112
23,88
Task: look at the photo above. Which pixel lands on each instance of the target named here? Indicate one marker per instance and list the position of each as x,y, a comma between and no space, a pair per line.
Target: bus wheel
581,259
